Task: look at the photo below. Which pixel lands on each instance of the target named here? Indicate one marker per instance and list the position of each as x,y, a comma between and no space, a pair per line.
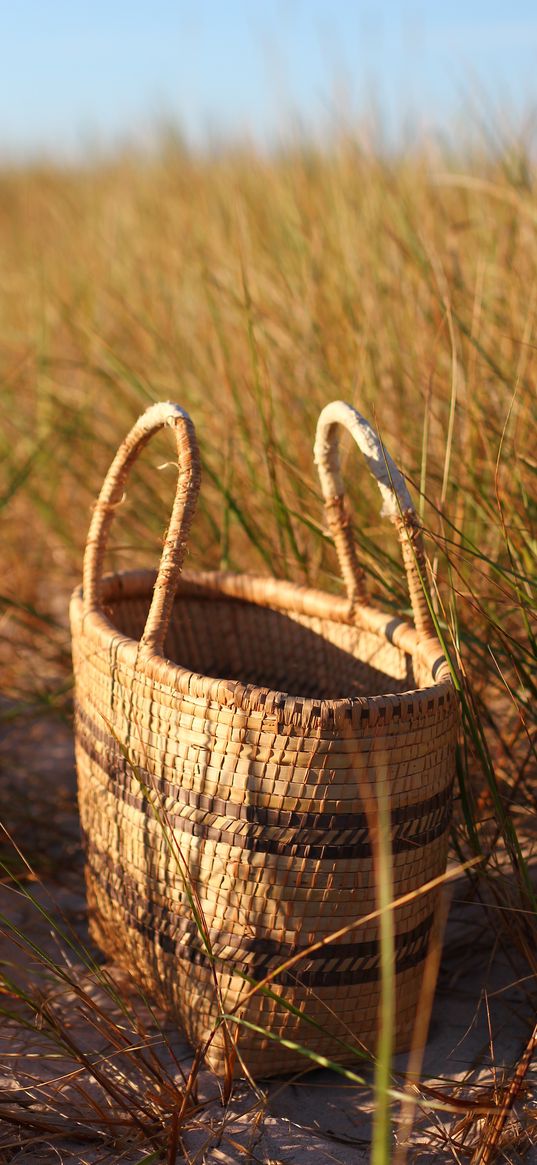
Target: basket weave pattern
257,792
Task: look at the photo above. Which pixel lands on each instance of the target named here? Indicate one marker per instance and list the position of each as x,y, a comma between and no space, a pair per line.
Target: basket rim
277,594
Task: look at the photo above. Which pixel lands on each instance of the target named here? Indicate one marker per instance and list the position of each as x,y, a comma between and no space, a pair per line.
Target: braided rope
156,417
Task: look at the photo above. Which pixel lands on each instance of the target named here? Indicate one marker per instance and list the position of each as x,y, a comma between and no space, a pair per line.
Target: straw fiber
235,736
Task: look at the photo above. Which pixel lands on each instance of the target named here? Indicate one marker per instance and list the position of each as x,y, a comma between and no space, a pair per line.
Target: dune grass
253,289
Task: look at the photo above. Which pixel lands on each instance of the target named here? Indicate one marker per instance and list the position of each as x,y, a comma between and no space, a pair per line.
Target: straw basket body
236,739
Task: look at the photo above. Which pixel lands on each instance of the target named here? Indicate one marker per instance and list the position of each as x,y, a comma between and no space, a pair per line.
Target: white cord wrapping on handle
396,505
390,480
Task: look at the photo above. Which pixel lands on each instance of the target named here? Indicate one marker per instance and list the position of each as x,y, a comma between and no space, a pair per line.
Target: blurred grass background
253,288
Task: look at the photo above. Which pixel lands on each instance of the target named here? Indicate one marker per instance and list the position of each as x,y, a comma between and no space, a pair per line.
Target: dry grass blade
494,1125
107,1069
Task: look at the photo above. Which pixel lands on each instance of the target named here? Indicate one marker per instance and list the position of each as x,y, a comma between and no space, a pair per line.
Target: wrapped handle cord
397,506
156,417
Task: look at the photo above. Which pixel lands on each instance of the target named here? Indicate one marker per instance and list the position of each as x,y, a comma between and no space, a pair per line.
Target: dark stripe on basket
87,733
336,963
438,663
393,626
301,834
363,970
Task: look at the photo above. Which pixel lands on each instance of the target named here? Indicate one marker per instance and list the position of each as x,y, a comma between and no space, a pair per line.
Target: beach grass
252,288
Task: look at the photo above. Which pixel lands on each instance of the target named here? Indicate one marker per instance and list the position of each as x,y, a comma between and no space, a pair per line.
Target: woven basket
230,823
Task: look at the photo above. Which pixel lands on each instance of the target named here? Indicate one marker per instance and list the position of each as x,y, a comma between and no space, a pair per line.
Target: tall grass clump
252,289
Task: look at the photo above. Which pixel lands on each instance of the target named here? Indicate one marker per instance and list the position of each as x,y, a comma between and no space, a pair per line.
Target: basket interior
302,655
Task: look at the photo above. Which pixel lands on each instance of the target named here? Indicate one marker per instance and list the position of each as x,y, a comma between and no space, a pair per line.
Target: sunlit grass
252,291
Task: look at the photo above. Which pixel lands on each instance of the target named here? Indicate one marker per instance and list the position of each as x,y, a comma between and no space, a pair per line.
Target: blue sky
75,75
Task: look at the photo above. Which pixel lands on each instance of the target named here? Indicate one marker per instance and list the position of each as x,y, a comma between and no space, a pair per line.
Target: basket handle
156,417
397,505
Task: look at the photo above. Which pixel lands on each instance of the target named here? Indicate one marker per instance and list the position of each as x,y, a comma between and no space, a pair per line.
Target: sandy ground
481,1018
